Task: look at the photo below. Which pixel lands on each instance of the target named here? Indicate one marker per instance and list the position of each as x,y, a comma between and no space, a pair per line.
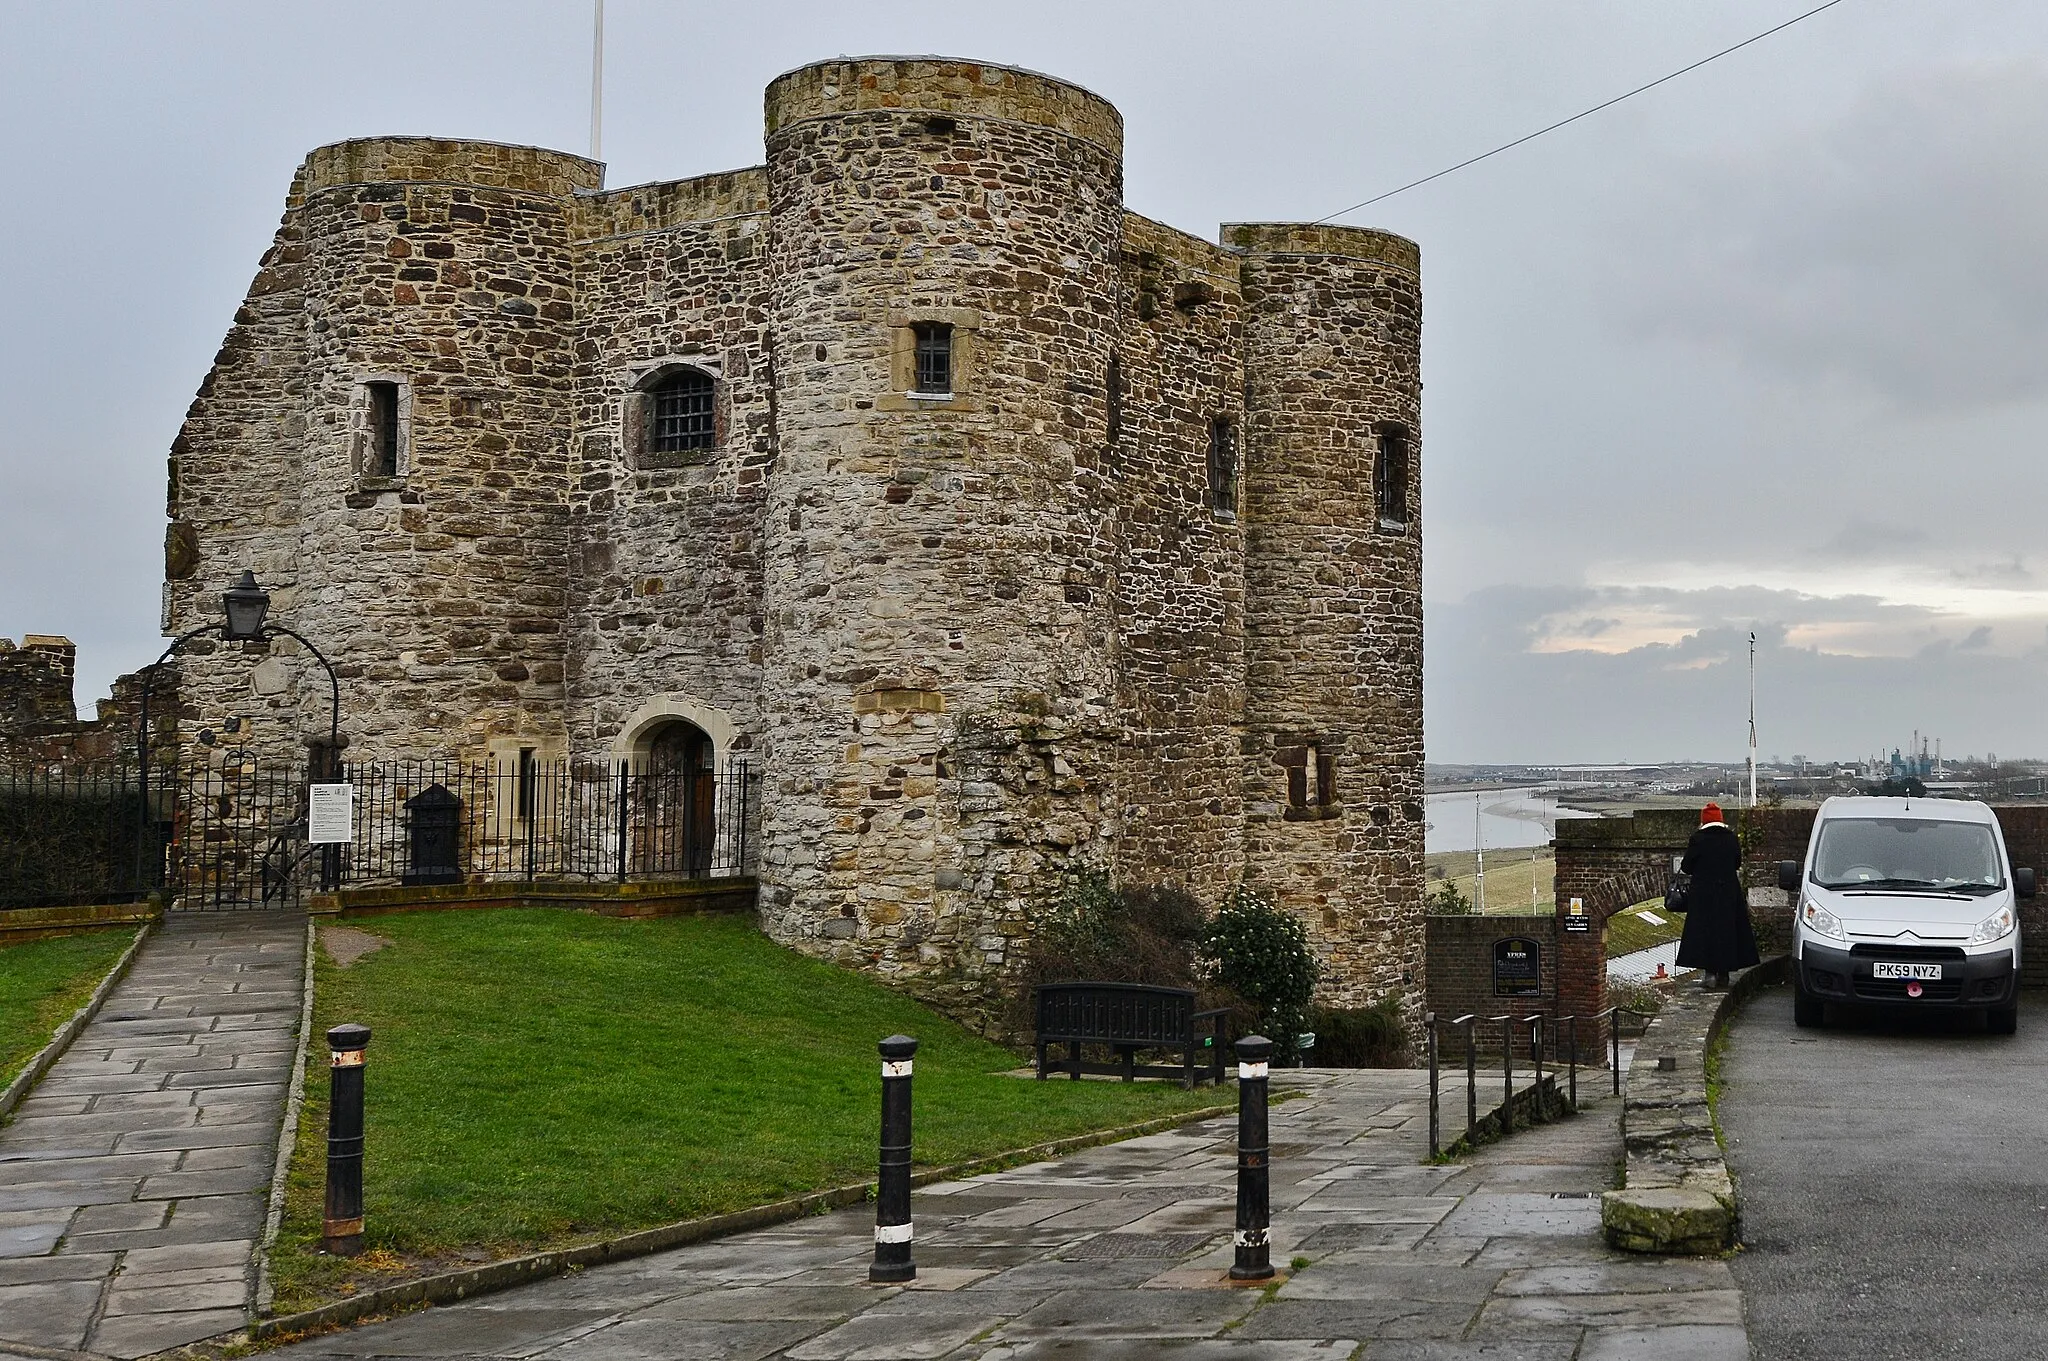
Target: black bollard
341,1232
1254,1172
892,1191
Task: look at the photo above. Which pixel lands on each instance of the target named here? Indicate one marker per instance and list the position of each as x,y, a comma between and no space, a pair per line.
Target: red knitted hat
1711,813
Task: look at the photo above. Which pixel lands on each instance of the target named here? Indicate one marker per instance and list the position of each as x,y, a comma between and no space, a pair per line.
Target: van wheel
1808,1013
2003,1020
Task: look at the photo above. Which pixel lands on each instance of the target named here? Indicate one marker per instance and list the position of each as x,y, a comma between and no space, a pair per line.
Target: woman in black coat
1717,936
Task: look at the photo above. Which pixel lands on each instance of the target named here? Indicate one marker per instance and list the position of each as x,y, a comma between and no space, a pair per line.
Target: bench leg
1130,1057
1073,1060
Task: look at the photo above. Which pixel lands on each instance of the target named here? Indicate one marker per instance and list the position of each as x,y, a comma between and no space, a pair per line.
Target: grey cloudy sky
1766,347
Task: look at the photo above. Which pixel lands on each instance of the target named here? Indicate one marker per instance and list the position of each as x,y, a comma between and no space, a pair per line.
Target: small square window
681,416
1223,468
934,371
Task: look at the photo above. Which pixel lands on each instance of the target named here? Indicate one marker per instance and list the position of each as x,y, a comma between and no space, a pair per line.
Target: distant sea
1508,818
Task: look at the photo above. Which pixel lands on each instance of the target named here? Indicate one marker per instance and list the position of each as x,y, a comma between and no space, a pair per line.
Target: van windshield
1907,853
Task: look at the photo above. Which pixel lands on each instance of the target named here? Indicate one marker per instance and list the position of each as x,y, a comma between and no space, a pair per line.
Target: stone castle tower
1003,530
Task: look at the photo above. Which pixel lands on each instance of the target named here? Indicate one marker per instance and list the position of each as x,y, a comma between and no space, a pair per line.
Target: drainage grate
1107,1246
1573,1195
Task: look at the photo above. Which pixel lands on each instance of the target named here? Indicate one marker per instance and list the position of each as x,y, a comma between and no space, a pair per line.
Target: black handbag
1677,891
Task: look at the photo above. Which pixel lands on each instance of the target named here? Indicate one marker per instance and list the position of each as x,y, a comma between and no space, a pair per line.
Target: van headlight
1997,926
1822,922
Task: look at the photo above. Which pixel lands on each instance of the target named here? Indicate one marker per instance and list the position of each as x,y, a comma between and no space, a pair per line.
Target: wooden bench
1128,1017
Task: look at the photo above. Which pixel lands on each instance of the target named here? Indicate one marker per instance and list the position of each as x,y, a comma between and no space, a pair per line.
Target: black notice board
1517,967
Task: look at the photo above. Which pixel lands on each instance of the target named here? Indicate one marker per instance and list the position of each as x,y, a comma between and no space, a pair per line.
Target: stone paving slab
1121,1253
133,1178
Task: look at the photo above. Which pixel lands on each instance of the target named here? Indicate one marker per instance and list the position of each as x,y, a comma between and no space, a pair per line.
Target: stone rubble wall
1333,324
668,570
1180,587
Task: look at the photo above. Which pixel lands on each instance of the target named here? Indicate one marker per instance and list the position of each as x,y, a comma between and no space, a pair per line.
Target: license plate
1917,972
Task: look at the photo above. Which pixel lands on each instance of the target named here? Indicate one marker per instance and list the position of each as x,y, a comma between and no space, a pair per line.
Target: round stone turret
440,302
939,571
1333,590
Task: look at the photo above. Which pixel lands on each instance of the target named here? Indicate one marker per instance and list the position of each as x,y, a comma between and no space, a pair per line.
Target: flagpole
1752,718
597,86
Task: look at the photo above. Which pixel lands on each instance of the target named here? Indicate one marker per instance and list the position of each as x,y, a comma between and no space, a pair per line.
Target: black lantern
246,604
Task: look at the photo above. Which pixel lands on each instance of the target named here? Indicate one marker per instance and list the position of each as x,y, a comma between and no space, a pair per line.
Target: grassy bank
542,1078
1630,931
1509,875
44,981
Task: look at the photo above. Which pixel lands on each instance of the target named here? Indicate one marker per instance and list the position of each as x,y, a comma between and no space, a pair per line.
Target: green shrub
1360,1037
1260,952
1447,901
1097,933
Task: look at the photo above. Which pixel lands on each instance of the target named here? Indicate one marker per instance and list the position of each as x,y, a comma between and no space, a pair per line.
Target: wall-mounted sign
331,814
1517,967
1576,920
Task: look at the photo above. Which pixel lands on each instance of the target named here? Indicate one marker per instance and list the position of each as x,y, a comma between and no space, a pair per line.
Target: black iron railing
1511,1029
225,832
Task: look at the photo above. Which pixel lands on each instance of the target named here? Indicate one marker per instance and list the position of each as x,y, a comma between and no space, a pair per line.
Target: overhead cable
1584,113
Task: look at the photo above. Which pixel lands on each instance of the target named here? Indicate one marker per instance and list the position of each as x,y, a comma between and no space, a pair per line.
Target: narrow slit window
527,780
1390,478
1223,467
383,413
934,371
1114,382
681,416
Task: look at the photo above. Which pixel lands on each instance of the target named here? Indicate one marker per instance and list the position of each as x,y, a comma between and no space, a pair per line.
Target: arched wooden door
677,823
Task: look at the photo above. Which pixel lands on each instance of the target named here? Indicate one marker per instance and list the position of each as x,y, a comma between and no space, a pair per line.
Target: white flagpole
597,87
1752,718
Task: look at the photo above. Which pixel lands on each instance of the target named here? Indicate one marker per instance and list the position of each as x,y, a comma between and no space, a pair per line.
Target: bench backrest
1116,1013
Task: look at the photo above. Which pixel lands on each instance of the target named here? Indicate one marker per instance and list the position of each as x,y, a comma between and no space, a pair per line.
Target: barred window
1223,467
680,414
934,357
1390,477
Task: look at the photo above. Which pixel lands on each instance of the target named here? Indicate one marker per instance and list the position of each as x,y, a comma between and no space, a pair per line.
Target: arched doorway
676,817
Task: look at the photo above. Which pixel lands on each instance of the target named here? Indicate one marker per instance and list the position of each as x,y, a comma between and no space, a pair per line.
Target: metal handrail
1510,1024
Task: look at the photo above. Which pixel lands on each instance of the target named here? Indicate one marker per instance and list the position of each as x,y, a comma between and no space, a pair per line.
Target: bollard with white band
1254,1174
892,1191
341,1230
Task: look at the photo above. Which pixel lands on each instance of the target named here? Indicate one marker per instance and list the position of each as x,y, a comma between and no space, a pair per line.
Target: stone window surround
637,732
902,394
1309,766
1381,433
503,753
1232,481
359,431
636,411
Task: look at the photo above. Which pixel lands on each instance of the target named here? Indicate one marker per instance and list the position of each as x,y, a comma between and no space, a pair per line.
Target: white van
1906,903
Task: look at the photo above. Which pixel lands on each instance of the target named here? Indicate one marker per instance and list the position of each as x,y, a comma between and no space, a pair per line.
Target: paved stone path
133,1179
1120,1253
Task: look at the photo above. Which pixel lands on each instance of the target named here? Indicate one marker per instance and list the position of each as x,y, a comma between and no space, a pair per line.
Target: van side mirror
1788,875
2023,883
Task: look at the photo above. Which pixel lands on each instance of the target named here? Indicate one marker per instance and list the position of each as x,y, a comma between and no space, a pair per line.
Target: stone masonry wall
668,569
1180,587
1334,622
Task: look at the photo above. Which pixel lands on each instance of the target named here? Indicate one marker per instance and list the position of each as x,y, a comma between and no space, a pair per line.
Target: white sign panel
331,815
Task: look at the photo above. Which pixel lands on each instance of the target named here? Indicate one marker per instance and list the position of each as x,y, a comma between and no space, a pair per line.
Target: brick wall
1461,972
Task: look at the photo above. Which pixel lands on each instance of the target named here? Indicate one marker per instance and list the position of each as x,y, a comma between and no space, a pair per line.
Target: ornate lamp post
245,605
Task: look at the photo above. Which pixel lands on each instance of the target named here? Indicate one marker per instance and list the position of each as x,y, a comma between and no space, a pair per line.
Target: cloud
1896,250
1501,689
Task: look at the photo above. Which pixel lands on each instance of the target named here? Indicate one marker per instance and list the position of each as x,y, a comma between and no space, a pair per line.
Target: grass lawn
43,981
1509,877
1628,931
540,1078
